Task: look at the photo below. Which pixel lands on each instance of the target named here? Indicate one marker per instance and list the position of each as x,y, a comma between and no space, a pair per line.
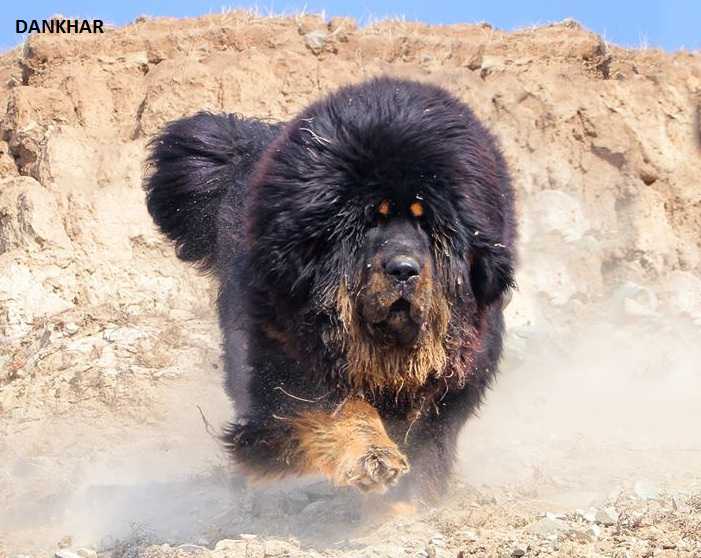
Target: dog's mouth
397,324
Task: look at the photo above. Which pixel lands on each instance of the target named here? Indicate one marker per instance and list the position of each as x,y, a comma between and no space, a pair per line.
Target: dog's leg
349,446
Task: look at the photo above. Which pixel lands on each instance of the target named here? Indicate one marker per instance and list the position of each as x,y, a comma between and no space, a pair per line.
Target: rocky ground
110,383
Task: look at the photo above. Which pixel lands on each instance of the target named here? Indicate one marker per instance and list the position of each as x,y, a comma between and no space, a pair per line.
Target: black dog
364,251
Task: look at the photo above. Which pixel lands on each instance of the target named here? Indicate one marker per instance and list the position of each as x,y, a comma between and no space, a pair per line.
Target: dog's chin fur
372,366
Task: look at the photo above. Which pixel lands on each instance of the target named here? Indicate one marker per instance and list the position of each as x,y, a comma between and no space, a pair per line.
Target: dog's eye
416,209
383,208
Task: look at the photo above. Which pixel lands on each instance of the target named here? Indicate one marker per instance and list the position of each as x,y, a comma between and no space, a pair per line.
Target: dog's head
386,207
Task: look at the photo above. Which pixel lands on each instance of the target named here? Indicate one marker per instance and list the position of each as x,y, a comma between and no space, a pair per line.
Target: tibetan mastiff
364,251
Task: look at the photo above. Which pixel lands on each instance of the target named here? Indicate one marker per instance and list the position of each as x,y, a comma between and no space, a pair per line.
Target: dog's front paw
375,470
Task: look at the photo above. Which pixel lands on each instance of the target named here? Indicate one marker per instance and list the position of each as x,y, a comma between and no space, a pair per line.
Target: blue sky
668,24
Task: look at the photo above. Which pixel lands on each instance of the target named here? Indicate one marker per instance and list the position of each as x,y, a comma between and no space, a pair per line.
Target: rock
228,548
316,40
7,163
487,499
490,62
518,550
548,527
193,551
71,328
682,292
679,504
26,294
29,215
646,228
615,494
386,550
279,549
606,516
645,490
306,22
65,553
342,27
586,515
636,300
31,106
474,62
343,23
570,23
86,553
175,87
594,531
223,544
557,211
469,535
437,550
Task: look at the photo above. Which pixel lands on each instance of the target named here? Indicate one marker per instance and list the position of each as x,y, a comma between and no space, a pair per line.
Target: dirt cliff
103,332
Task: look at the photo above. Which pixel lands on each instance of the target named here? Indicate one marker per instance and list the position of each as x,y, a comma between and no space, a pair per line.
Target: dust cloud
603,399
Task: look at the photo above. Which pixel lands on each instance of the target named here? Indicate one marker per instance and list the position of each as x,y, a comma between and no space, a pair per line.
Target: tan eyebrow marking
383,208
417,209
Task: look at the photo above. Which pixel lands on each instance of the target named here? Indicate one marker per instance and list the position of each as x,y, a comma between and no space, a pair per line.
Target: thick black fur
196,162
282,214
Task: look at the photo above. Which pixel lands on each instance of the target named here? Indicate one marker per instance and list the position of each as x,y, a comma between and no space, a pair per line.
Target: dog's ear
491,275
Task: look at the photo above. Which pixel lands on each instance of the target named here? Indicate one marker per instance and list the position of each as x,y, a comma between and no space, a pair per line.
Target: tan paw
376,470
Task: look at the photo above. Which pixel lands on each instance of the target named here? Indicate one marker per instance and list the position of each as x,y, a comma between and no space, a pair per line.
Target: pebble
615,494
486,500
592,533
606,517
548,527
279,548
680,505
518,551
65,553
86,553
469,535
227,545
71,328
586,515
645,490
315,40
437,551
247,536
489,62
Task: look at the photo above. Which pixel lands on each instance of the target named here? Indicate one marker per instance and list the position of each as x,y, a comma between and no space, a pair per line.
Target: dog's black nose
402,267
